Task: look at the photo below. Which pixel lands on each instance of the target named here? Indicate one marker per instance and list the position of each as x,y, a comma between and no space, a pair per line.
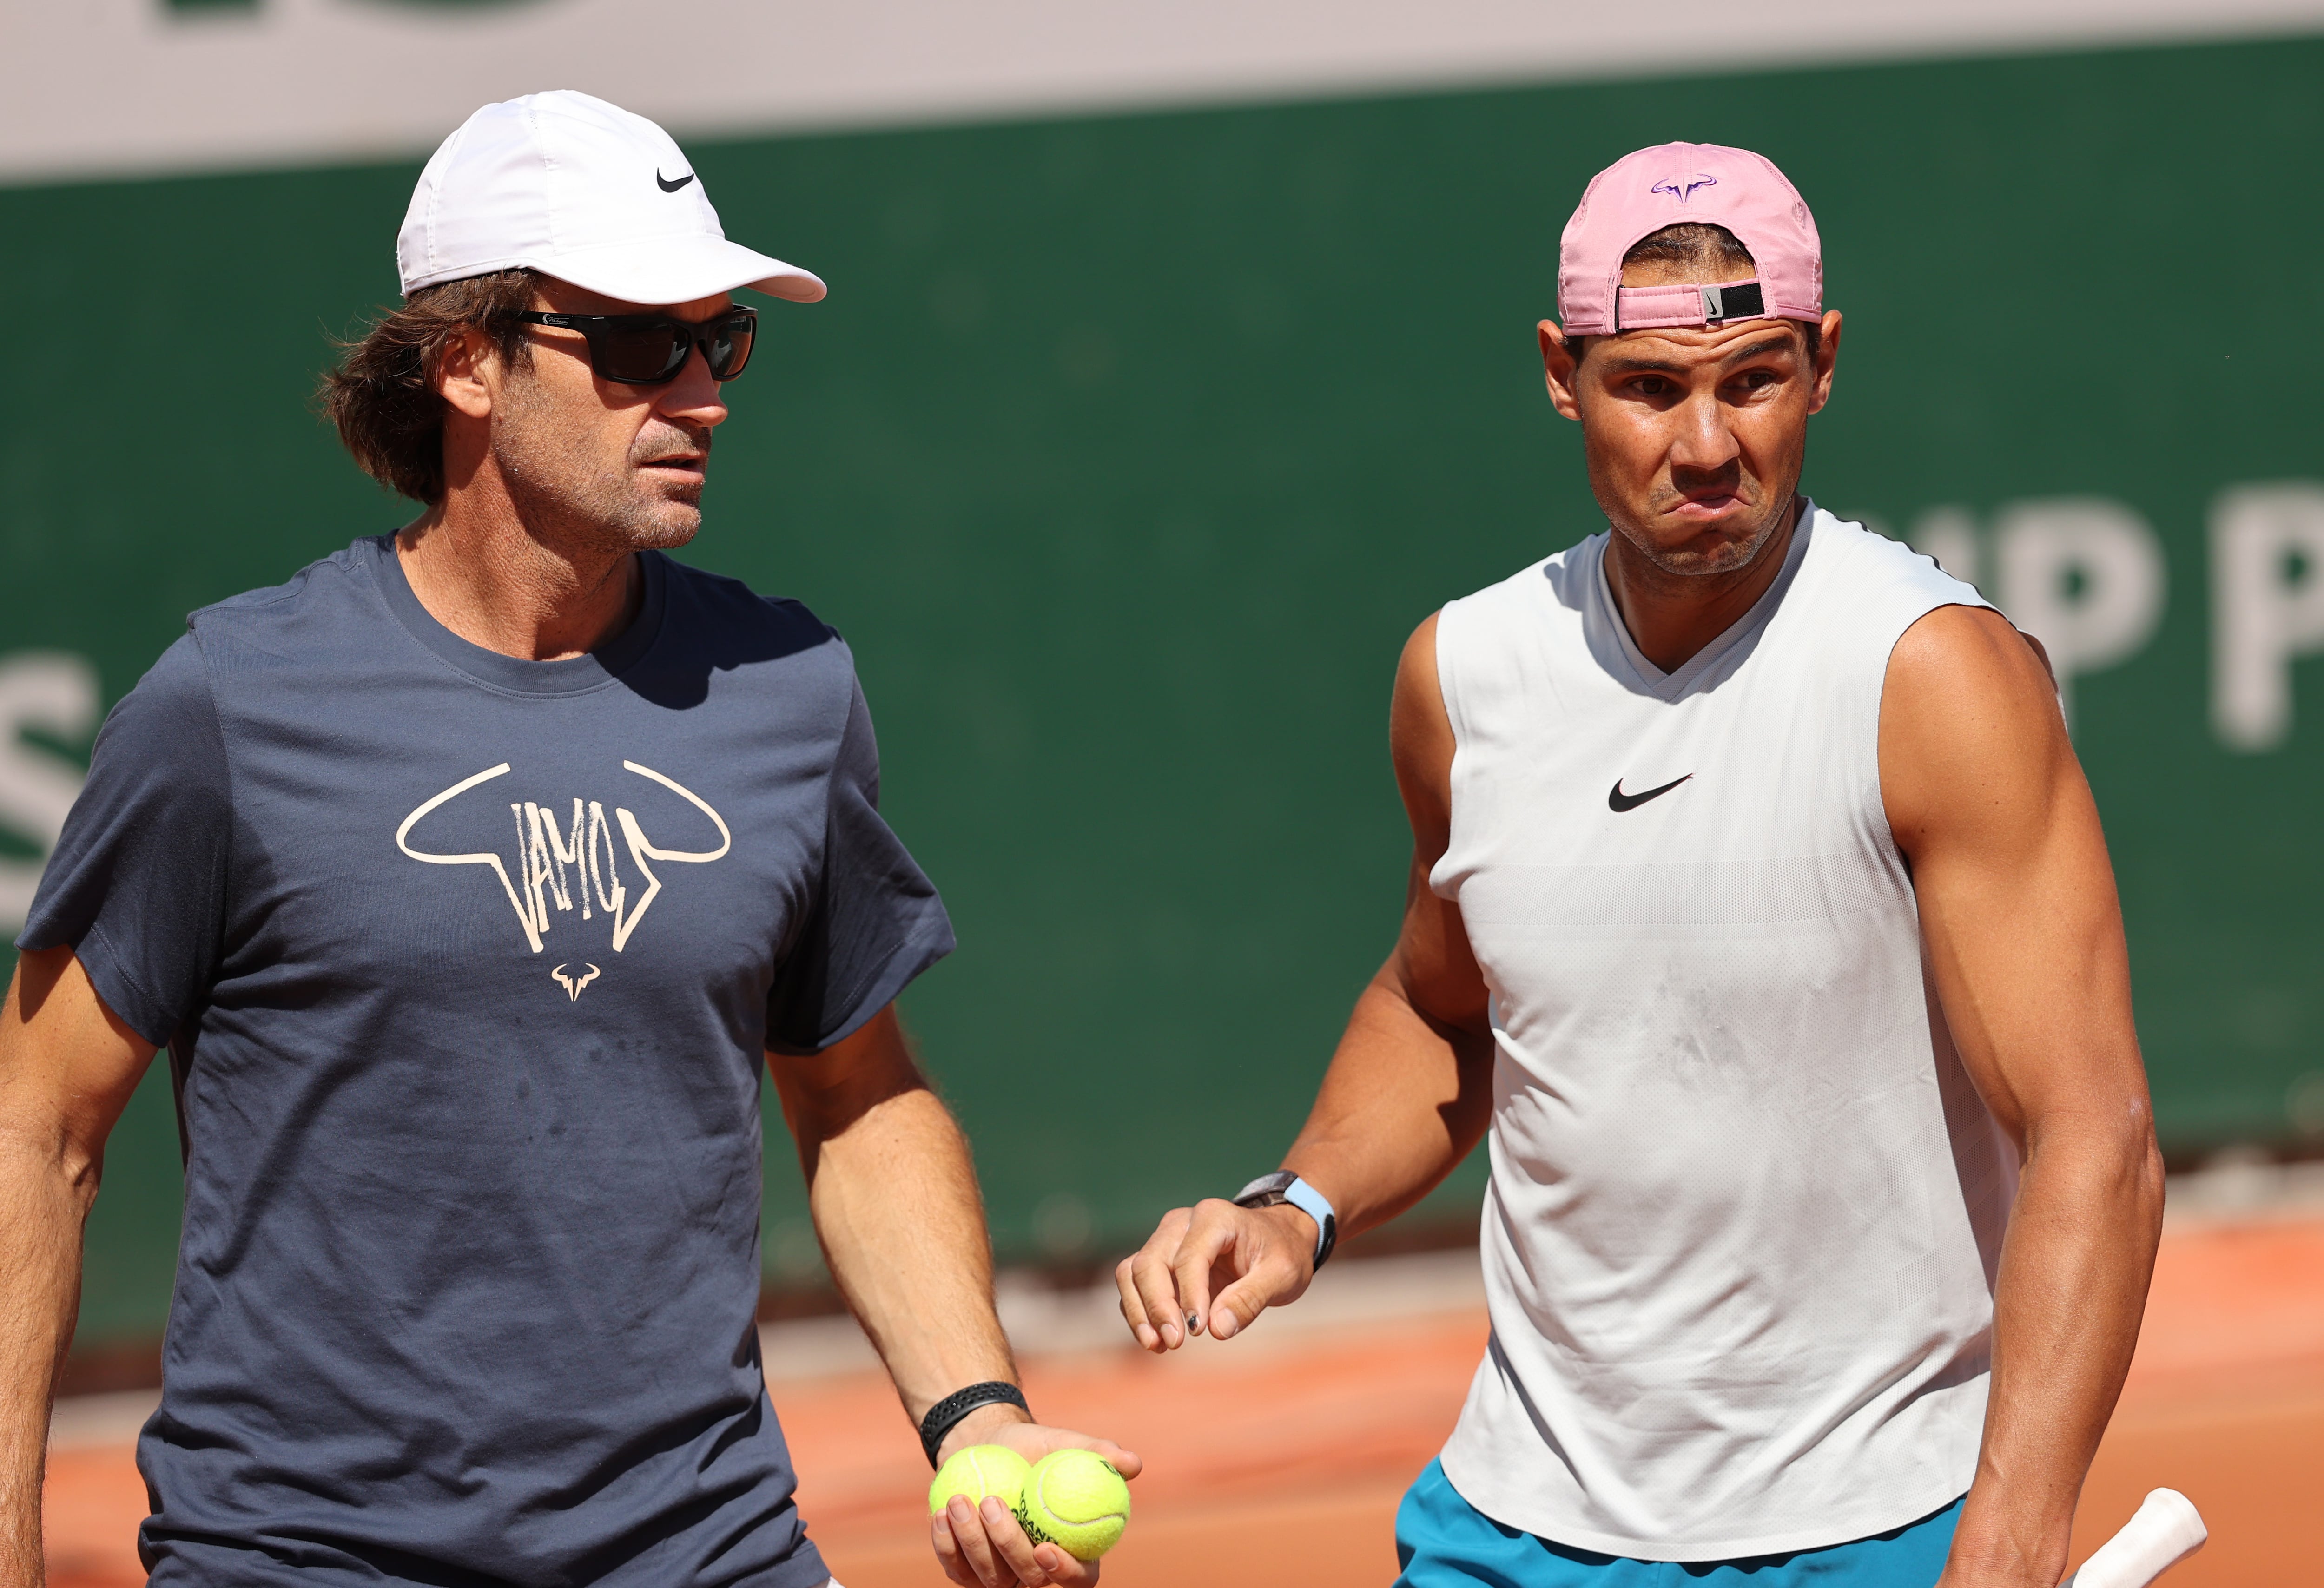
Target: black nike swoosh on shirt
666,186
1618,800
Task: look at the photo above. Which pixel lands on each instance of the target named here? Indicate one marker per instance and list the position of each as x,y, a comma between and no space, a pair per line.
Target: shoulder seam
290,589
283,593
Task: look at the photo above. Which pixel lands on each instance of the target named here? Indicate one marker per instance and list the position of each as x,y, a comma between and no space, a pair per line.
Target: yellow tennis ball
1073,1499
979,1471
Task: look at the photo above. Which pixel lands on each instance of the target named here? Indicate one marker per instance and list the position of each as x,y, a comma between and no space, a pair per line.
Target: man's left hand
982,1545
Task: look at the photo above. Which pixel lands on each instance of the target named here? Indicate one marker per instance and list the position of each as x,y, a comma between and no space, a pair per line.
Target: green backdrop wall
1127,451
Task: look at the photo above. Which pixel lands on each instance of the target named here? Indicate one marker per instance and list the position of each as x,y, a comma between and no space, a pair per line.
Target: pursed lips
1707,503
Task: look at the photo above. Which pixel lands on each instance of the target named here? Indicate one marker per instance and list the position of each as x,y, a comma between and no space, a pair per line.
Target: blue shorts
1442,1541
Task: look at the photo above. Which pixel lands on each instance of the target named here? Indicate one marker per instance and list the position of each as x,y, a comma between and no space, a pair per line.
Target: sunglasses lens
641,354
730,345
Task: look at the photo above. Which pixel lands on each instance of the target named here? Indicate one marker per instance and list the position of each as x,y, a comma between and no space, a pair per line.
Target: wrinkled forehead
1689,349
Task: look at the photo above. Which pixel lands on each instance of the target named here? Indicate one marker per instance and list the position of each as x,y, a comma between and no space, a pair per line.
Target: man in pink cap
1758,912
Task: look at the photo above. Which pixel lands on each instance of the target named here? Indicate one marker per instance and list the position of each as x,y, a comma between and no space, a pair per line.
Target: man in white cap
469,879
1759,911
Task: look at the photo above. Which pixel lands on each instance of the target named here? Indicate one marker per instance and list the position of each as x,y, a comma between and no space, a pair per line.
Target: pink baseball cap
1662,186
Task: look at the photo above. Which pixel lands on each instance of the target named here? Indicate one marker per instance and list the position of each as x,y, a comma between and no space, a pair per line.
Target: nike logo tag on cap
666,186
1618,800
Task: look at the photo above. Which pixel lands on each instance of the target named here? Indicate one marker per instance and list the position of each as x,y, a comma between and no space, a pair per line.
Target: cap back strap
1646,309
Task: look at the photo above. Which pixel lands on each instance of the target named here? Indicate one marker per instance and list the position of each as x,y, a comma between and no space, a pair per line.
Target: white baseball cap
581,190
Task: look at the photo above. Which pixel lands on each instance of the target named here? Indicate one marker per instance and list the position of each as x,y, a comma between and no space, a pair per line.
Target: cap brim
677,270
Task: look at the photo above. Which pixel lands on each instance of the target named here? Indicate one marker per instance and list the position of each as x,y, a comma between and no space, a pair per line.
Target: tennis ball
1075,1499
979,1471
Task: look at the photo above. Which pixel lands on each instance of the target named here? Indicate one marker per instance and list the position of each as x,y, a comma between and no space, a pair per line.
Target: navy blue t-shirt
466,965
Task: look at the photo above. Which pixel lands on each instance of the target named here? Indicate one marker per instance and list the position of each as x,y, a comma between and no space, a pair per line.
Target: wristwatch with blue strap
1281,1187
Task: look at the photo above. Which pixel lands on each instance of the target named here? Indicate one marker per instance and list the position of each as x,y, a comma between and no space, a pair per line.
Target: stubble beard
1726,555
565,494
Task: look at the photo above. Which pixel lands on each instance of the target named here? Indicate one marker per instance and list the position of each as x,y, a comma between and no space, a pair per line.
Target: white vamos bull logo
572,985
575,866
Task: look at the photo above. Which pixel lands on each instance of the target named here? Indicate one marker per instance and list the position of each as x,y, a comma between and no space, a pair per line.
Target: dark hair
382,394
1695,245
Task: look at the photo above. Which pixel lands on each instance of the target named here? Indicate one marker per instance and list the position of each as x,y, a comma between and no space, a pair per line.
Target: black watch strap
945,1414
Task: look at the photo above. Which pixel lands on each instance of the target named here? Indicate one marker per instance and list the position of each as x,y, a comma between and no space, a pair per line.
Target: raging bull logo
573,866
572,984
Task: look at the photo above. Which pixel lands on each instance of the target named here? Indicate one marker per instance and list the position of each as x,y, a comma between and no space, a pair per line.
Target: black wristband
946,1414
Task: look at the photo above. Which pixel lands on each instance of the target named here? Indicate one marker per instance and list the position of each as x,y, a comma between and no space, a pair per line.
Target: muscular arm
66,1068
893,1192
2025,942
1407,1097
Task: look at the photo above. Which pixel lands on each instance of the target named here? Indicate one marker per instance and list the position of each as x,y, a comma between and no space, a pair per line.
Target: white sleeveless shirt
1746,1205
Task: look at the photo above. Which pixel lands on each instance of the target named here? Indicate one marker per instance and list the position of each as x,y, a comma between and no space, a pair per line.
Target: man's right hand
1408,1094
1215,1266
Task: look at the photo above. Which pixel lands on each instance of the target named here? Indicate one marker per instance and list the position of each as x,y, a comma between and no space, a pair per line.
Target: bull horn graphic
573,988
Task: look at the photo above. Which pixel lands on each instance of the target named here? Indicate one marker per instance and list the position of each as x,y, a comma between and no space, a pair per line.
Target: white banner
97,88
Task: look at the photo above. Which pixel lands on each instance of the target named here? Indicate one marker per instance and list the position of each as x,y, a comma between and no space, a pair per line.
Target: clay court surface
1279,1458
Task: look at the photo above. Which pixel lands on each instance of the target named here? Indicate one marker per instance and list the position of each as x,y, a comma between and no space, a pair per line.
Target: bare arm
893,1192
1407,1097
2026,940
66,1068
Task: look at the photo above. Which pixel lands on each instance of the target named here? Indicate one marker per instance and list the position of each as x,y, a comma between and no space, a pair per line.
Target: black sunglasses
648,349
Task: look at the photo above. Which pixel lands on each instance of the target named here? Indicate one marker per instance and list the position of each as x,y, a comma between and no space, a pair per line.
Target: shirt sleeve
875,921
136,886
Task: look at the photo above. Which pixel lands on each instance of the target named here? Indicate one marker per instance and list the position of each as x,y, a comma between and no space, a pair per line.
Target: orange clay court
1268,1465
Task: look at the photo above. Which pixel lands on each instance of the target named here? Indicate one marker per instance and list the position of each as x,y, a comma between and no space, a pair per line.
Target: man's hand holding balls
1029,1507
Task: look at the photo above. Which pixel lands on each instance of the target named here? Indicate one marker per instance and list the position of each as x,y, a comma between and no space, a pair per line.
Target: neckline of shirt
574,675
1670,685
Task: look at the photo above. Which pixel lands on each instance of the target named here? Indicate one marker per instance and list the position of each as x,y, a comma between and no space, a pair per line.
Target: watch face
1267,1185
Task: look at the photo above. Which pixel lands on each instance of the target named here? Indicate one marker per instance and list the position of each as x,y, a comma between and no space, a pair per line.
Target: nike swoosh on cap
666,186
1618,800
